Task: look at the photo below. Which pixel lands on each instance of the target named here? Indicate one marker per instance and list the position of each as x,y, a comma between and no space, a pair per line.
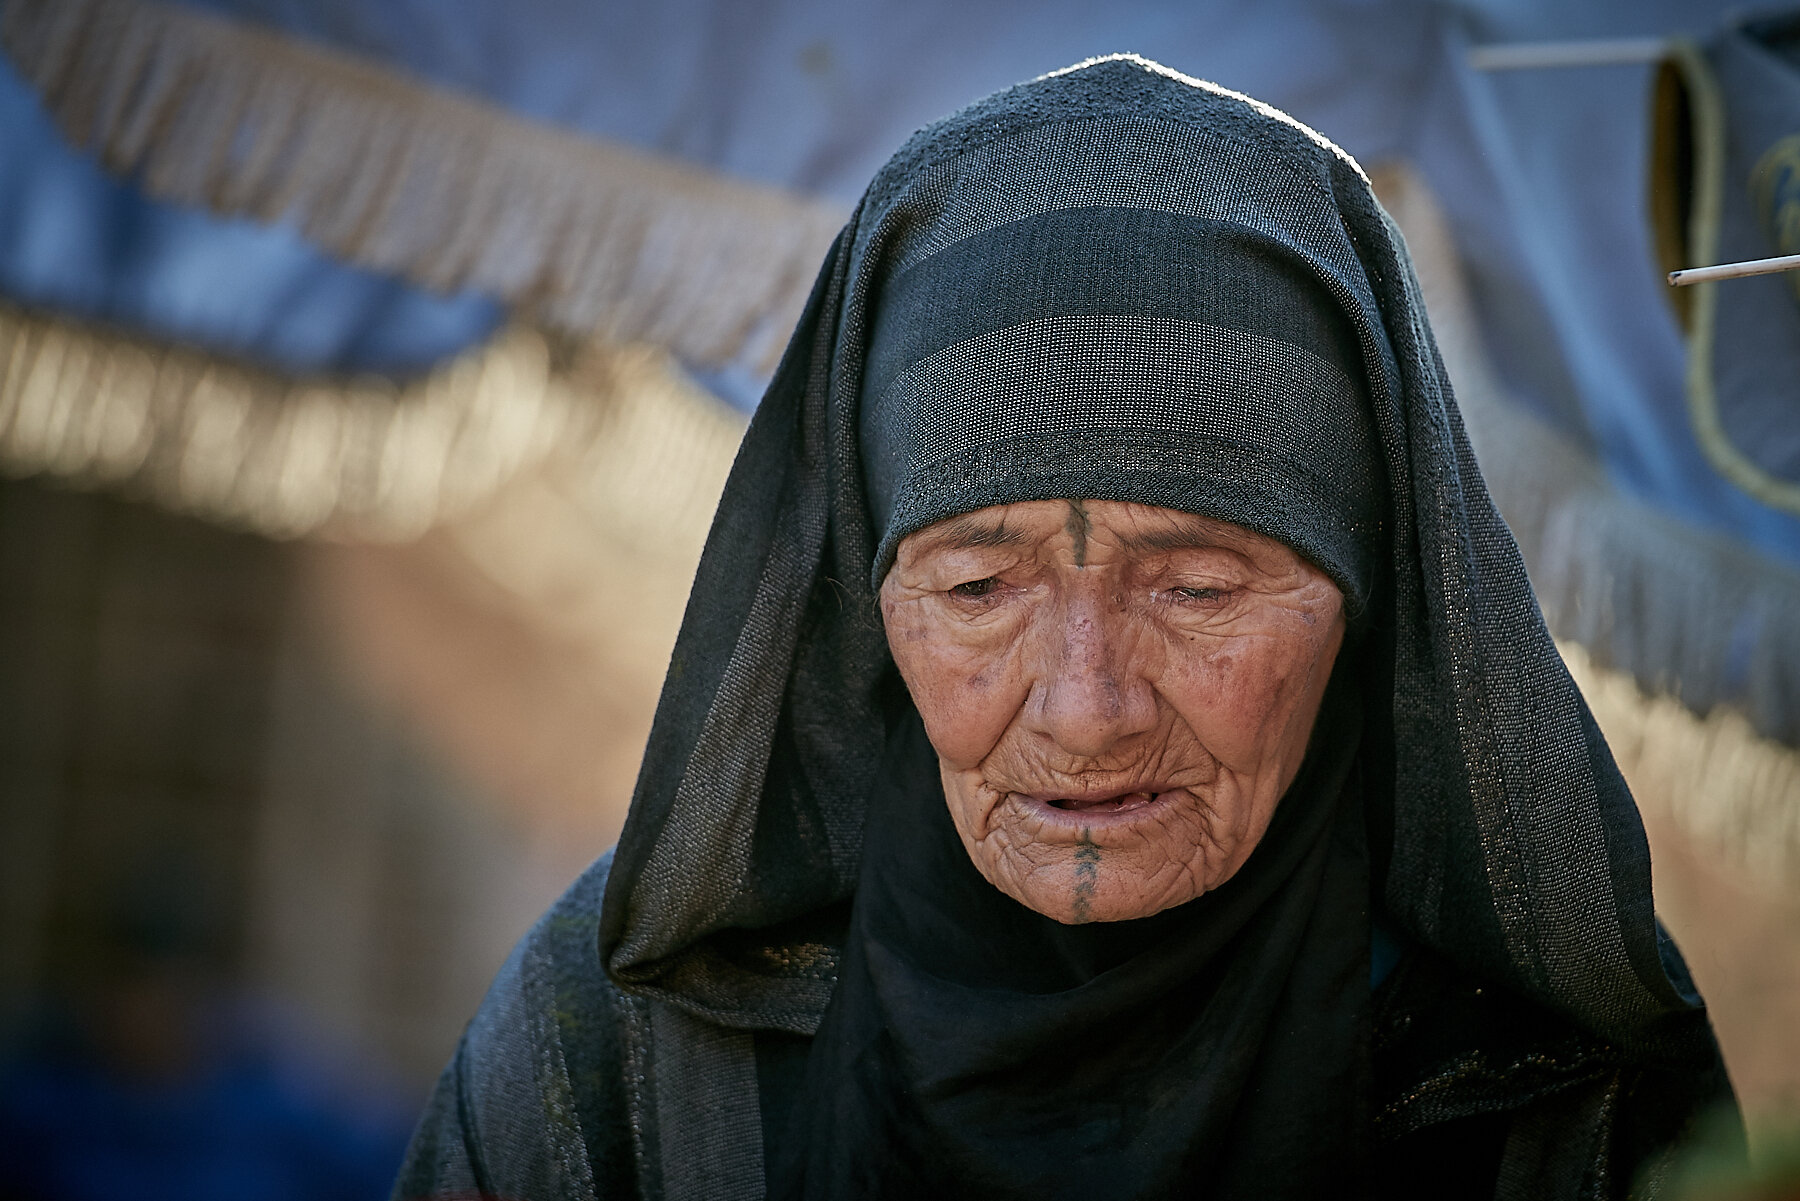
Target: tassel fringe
602,241
1659,622
587,237
1713,775
361,458
1683,610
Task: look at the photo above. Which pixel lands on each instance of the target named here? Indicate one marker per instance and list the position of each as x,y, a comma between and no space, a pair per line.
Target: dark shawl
1100,333
1500,841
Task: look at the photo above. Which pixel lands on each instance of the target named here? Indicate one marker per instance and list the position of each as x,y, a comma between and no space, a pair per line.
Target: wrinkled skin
1118,694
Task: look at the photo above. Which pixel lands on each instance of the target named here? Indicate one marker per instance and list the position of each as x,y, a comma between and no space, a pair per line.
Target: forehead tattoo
1079,527
978,530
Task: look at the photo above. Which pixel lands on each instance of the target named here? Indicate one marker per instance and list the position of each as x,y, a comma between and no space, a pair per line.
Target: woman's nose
1091,693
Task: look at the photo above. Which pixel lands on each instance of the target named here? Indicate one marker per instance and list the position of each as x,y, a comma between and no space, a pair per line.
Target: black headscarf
1115,282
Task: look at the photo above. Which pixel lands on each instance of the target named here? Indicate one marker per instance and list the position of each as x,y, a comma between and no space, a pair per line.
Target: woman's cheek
964,675
961,696
956,675
1227,694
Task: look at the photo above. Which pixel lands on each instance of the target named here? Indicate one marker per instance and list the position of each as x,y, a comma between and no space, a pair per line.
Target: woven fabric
1120,353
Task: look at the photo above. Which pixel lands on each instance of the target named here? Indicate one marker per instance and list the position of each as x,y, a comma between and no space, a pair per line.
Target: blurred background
369,370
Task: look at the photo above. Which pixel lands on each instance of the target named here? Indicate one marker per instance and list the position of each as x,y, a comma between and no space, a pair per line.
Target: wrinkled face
1118,694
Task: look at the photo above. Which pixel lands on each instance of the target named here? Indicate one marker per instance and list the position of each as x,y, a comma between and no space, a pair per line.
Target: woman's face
1118,694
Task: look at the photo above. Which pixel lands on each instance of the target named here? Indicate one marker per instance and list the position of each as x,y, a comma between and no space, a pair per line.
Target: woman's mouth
1125,802
1046,817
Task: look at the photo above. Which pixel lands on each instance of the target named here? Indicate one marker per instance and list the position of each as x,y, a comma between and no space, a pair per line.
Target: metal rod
1700,275
1603,52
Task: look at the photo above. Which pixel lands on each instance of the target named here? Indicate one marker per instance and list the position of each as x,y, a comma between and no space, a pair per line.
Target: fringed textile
1685,611
362,458
400,176
1714,775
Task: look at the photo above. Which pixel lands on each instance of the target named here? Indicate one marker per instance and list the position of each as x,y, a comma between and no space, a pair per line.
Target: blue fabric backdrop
1541,172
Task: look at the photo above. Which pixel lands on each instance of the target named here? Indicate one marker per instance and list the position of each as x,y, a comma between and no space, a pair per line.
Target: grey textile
506,1120
1116,353
1511,848
485,1132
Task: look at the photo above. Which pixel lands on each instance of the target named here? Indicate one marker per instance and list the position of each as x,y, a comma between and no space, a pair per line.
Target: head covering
1107,352
1120,283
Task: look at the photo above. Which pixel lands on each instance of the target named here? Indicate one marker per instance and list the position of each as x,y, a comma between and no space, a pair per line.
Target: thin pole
1599,52
1700,275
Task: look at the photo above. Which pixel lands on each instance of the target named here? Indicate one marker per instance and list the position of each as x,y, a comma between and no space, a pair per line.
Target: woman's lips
1122,803
1052,818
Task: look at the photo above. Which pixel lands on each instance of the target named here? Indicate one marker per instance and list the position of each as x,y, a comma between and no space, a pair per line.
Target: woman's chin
1107,862
1084,884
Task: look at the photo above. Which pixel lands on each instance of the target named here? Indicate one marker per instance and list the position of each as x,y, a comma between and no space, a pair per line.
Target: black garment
1501,840
1478,1092
1469,1080
977,1049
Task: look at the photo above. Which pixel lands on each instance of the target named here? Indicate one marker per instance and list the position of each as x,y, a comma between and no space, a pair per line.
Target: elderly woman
1112,749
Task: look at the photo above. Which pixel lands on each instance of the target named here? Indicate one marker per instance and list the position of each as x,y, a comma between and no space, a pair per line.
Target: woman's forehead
1130,527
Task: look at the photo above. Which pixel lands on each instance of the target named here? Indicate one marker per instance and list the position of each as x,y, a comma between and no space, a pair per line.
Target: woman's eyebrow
1181,537
967,532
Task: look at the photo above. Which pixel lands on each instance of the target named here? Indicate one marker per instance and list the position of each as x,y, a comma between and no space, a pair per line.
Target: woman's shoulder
1476,1082
534,1102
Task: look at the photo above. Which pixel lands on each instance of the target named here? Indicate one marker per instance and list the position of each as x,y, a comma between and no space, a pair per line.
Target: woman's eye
975,588
1198,594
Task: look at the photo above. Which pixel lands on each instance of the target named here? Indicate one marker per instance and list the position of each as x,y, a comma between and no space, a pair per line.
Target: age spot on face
1105,679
